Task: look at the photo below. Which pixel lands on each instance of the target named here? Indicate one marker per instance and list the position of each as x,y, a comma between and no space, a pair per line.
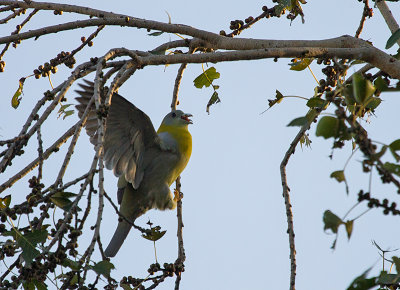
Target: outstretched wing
129,133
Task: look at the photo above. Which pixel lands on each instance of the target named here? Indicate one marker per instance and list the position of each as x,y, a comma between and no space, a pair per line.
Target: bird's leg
177,195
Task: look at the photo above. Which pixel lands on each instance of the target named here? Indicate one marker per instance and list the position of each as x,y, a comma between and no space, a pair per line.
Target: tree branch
178,79
179,263
388,16
286,196
367,12
36,162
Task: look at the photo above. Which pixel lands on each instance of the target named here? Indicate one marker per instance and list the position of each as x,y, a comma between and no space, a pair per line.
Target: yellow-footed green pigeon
147,162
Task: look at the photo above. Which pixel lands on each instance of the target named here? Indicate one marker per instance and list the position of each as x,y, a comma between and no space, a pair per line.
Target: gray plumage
146,163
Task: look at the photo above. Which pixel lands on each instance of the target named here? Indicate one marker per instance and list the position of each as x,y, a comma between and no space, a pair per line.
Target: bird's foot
177,195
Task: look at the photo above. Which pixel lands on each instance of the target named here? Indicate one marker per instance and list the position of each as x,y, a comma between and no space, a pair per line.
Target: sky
233,210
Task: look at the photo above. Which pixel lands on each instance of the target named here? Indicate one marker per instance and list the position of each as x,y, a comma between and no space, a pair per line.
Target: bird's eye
173,115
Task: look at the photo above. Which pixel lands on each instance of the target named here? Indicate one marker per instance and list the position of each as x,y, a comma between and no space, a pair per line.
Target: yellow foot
177,195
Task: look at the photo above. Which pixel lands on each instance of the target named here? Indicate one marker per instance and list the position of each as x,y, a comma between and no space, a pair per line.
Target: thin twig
178,79
11,16
90,38
142,230
13,140
40,152
8,8
288,205
56,145
68,214
9,269
99,153
17,30
367,12
71,147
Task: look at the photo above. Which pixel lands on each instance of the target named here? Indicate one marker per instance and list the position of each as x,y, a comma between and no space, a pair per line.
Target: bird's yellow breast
182,137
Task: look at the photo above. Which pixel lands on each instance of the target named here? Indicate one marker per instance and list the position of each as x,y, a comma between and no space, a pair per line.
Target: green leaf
327,127
331,221
300,121
61,199
63,107
74,280
373,103
278,98
378,155
16,99
395,145
393,39
388,279
157,33
395,155
393,168
316,103
65,194
154,235
206,78
362,89
283,4
103,268
301,64
5,201
362,282
37,236
62,112
28,242
349,227
349,97
380,84
338,175
71,264
29,285
39,285
213,100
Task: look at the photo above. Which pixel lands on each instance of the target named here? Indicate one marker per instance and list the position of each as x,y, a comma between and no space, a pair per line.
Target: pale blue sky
234,215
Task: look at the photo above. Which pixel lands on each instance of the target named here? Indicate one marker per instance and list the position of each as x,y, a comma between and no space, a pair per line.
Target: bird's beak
186,118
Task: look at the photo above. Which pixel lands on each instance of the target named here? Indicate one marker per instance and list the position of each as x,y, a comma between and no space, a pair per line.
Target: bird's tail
118,239
133,205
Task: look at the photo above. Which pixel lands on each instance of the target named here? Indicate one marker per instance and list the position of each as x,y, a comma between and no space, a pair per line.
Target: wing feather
129,134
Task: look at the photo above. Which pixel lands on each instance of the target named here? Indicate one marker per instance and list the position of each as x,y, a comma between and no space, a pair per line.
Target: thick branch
388,16
370,54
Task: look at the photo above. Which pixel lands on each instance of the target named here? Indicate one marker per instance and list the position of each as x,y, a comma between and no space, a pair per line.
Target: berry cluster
134,282
374,202
51,67
238,25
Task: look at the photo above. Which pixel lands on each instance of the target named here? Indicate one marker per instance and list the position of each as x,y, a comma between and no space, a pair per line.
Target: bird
145,161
